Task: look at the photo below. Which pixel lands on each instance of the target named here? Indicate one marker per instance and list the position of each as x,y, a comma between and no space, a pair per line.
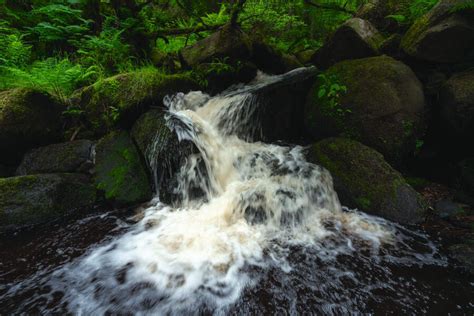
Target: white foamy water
256,201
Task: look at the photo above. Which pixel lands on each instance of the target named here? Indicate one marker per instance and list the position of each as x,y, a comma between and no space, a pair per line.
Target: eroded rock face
457,104
364,180
119,171
383,106
28,119
75,156
356,38
441,35
163,152
38,198
228,42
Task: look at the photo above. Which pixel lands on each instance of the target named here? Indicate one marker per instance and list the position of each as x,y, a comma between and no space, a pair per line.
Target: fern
57,76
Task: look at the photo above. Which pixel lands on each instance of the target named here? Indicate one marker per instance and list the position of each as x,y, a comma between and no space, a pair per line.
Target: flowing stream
255,229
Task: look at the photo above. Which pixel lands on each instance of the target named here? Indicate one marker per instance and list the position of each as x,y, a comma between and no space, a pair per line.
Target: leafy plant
330,90
57,76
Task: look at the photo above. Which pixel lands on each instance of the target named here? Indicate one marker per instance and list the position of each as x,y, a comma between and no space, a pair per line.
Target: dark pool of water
359,283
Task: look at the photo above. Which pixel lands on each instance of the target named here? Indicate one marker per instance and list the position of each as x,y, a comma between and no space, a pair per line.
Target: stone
442,36
75,156
28,118
355,39
383,106
35,199
119,171
228,42
118,101
364,180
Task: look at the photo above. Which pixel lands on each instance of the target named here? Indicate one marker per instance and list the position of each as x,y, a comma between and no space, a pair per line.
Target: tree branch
327,6
235,12
186,30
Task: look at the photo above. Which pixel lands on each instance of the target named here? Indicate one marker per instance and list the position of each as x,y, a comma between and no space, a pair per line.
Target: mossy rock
464,254
34,199
228,42
272,61
382,108
75,156
119,171
118,101
364,180
442,36
162,151
28,118
354,39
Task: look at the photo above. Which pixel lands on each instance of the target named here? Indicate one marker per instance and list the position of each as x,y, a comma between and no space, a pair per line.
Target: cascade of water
257,201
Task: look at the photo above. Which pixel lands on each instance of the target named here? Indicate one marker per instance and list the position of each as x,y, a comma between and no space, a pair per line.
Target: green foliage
58,25
13,51
56,76
106,52
467,5
330,90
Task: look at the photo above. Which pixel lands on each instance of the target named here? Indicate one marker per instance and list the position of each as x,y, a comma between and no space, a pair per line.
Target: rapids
255,229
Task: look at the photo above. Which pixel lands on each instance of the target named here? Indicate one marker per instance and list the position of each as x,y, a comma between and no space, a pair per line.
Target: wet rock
228,42
37,198
119,171
442,35
120,100
75,156
28,119
457,105
364,180
383,106
446,209
271,61
464,254
162,150
220,76
355,39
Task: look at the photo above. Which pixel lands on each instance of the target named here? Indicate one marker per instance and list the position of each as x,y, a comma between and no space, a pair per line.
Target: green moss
119,100
366,180
119,171
36,198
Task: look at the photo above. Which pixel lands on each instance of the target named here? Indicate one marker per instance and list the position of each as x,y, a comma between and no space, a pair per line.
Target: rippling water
264,234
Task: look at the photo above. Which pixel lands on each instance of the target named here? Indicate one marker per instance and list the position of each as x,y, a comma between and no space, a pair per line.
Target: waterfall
243,205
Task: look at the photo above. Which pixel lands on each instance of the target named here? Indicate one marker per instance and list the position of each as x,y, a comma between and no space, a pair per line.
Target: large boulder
28,118
162,151
228,42
120,100
38,198
381,105
442,35
356,38
75,156
457,104
364,180
119,171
